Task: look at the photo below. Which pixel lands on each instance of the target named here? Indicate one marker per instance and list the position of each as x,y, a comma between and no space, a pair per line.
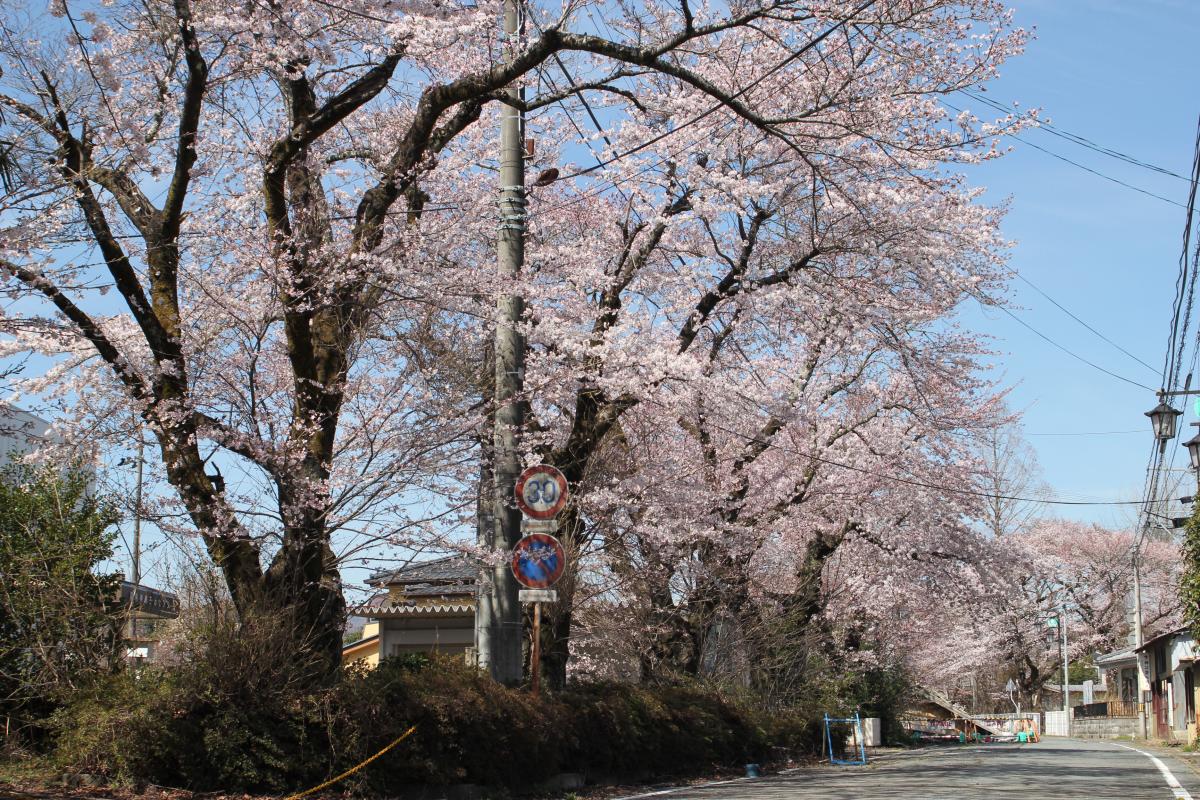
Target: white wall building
20,432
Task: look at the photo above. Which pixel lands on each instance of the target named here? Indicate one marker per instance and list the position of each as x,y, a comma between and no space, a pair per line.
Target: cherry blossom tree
1002,629
293,203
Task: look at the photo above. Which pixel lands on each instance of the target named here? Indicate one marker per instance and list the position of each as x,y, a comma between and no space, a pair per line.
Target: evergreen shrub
188,728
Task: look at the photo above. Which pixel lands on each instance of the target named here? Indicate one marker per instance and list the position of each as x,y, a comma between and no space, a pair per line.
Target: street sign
538,525
537,596
538,561
541,492
1011,686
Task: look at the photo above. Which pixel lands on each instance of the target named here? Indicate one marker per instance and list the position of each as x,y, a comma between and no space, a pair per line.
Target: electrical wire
1084,167
725,103
1181,310
1183,293
1072,353
707,137
1068,312
1082,141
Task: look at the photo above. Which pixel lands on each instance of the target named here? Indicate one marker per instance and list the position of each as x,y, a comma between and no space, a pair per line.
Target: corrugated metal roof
1160,637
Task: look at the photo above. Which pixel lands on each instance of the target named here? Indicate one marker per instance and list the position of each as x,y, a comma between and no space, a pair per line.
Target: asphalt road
1052,768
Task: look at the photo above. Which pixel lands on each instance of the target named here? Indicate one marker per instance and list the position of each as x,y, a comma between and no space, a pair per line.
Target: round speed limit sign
541,492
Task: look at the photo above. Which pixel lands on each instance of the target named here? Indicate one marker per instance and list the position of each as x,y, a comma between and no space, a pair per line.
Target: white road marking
674,789
1180,792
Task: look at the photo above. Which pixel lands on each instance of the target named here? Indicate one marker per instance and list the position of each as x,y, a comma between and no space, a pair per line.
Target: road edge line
682,787
1172,782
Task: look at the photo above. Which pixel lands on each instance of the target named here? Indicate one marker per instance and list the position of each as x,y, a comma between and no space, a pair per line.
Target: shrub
60,620
189,728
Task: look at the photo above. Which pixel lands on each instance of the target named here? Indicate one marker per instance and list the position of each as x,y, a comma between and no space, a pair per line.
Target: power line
725,103
1185,285
1181,316
1072,353
1082,141
616,182
1067,311
1084,167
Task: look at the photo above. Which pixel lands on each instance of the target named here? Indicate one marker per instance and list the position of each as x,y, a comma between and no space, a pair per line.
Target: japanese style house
423,607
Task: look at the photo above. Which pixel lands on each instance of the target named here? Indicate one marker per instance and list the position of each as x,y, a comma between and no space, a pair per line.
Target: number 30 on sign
541,492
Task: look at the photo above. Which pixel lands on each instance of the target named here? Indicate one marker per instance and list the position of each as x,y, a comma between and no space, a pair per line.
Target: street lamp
1162,420
1193,448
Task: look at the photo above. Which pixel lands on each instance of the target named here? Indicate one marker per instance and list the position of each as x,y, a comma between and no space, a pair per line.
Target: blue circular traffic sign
538,560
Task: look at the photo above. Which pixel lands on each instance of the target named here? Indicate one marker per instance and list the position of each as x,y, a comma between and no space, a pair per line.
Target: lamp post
1163,419
1193,448
1062,627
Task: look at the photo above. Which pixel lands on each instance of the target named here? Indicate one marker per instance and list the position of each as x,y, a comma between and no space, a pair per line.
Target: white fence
1057,723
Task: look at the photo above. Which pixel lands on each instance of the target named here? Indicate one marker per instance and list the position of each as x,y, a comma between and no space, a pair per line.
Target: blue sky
1123,75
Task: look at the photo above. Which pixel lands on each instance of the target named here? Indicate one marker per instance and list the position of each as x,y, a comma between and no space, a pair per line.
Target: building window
1189,692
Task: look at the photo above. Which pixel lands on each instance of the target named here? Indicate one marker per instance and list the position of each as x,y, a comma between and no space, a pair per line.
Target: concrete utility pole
498,623
137,512
1062,624
1143,683
137,539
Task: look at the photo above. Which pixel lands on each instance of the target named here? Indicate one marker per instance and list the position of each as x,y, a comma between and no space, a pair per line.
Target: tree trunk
556,640
556,631
786,635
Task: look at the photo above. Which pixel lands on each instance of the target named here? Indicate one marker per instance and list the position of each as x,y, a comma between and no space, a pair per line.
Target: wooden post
536,657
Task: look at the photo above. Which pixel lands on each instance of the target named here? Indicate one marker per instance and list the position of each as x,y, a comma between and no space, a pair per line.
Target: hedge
172,730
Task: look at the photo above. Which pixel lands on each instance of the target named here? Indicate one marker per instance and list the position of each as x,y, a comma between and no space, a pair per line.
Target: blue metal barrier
858,735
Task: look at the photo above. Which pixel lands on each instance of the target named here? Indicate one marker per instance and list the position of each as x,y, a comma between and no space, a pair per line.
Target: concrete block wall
1104,728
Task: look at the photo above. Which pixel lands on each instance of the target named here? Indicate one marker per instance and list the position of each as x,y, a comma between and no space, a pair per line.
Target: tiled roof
375,602
457,568
434,590
1116,657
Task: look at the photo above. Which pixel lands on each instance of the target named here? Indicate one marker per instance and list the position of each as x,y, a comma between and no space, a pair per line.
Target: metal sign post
535,655
539,560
